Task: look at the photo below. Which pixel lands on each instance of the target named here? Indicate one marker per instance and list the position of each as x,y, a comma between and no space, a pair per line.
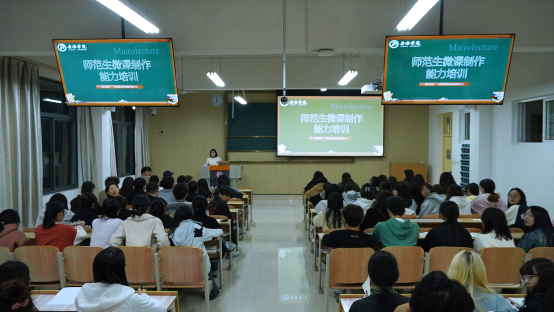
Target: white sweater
489,240
100,297
364,203
145,231
463,203
102,231
212,161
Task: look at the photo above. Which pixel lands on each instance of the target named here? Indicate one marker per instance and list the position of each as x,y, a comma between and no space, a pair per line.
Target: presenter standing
213,160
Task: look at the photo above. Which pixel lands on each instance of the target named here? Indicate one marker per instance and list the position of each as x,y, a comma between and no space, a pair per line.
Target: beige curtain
20,139
142,152
88,147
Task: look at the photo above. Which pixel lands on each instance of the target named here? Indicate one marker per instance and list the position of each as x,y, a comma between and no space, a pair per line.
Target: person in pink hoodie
488,198
10,235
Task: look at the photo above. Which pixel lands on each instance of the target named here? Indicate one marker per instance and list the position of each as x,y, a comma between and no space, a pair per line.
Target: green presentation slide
117,72
465,69
330,126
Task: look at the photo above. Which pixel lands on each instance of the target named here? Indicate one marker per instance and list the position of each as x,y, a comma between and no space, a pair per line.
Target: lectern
212,173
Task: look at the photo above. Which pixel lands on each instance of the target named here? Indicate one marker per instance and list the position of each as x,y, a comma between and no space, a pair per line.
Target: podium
212,173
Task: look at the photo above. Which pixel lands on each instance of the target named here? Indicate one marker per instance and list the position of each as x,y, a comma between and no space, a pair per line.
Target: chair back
42,262
349,265
470,216
369,230
424,230
542,252
76,259
431,217
441,257
5,254
139,264
410,262
502,264
181,267
222,217
515,230
474,230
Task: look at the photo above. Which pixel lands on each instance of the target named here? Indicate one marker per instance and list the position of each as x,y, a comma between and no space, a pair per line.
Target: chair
346,269
140,265
411,260
430,217
474,230
470,216
502,264
226,228
413,216
318,258
184,267
216,255
78,264
45,264
515,230
424,230
542,252
6,255
439,258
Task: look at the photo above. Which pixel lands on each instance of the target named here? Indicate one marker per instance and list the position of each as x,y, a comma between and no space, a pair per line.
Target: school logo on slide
62,47
393,44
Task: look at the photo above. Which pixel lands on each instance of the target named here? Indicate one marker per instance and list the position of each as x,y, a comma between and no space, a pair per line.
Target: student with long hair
489,199
374,181
468,269
103,228
213,160
110,290
495,231
539,231
126,186
378,210
10,235
450,232
52,233
328,189
402,190
517,205
87,213
396,231
446,179
537,279
454,193
203,189
416,194
331,218
366,197
313,181
60,198
223,181
413,186
383,272
431,203
344,178
193,191
317,188
15,292
158,209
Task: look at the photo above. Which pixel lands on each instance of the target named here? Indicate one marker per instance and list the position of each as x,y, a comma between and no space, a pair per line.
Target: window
536,121
123,120
466,124
59,139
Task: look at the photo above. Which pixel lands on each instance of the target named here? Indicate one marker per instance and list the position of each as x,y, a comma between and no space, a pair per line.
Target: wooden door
447,142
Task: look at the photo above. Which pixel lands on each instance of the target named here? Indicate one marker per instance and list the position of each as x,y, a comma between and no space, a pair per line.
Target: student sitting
180,179
352,237
110,290
472,191
60,198
539,232
193,188
344,178
180,191
437,188
316,199
331,218
52,233
154,179
313,181
139,187
317,188
431,203
86,187
450,232
126,186
396,231
127,210
489,199
468,269
185,232
455,194
537,277
203,189
322,205
153,192
87,212
218,206
366,197
110,182
378,210
383,272
495,231
103,228
517,205
351,192
158,209
446,179
10,235
166,193
402,190
223,181
141,229
15,292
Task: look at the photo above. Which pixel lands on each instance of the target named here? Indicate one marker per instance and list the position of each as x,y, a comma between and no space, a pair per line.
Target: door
447,142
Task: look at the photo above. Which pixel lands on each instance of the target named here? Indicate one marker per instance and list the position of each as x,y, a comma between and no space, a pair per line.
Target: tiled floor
274,271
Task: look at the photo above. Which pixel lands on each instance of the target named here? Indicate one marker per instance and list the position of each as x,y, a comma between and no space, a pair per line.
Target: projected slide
330,126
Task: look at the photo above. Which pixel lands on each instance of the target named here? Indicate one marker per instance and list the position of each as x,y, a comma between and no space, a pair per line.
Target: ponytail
493,198
50,214
334,211
488,186
16,295
386,302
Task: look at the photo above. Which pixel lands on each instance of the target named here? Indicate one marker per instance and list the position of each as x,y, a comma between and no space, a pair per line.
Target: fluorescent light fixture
130,15
347,77
240,100
323,89
51,100
215,78
416,13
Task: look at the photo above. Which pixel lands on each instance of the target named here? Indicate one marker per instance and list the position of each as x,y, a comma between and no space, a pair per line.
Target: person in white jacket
141,228
110,292
366,197
495,231
454,193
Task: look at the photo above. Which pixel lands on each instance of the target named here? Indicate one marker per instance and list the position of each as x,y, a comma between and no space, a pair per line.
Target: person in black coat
311,184
449,233
158,209
537,275
378,210
86,213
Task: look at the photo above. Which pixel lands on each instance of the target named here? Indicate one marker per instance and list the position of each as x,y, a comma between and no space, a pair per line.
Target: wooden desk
248,194
170,299
466,223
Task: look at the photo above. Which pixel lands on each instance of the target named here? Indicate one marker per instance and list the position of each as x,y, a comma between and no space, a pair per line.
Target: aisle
274,271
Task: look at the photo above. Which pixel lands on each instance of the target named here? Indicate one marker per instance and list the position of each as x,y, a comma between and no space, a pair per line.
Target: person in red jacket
52,233
10,235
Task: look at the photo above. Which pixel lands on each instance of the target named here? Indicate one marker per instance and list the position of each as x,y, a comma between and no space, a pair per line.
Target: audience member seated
145,173
455,194
396,231
351,192
10,235
468,269
86,213
168,173
436,292
495,231
375,183
111,190
317,188
203,189
185,232
103,228
366,197
378,210
344,178
153,193
392,180
154,179
166,193
419,180
539,232
86,187
489,199
141,229
159,210
402,190
383,272
331,218
352,237
189,177
322,205
412,185
139,187
110,290
218,206
126,186
316,199
52,233
450,232
68,213
182,179
437,188
446,179
180,191
127,210
517,205
193,189
15,292
313,181
431,203
472,191
537,278
223,181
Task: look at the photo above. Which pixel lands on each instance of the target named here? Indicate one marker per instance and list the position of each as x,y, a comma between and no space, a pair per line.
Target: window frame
115,128
521,122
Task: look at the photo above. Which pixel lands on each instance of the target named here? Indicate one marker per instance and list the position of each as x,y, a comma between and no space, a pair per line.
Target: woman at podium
213,160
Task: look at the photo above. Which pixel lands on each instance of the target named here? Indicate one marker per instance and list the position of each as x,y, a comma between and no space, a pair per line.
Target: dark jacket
369,304
315,199
520,223
153,198
371,218
207,222
219,207
347,239
167,221
84,215
443,235
190,197
124,214
534,303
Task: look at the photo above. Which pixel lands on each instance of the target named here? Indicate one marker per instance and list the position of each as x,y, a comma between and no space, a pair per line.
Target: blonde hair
468,268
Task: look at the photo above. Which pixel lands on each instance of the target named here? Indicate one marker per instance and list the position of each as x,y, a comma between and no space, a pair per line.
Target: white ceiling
248,33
